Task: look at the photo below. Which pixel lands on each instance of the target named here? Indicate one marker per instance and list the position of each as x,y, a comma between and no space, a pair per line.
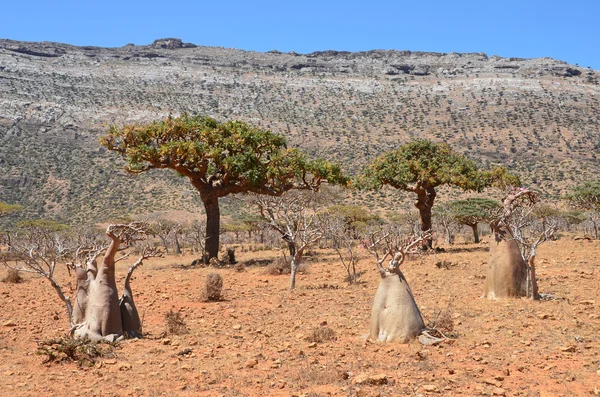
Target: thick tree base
507,271
395,316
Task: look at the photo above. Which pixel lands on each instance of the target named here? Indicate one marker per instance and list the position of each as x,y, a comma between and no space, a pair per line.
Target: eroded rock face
395,316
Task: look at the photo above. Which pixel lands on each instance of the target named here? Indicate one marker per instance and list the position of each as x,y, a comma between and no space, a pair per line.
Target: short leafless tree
341,239
295,215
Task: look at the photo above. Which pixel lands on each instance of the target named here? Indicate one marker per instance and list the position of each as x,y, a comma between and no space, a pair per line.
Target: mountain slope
540,117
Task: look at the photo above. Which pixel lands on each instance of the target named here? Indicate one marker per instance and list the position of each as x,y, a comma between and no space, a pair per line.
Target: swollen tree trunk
507,273
103,314
424,203
213,225
395,316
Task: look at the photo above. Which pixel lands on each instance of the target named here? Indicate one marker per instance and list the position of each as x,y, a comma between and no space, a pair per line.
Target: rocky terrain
538,116
257,341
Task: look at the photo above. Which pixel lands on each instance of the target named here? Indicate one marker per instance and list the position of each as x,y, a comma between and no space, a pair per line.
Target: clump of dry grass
13,276
175,323
82,351
278,266
314,374
213,288
321,334
443,321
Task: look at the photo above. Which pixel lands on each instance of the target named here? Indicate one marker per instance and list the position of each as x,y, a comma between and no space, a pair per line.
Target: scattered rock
251,363
498,391
431,388
10,323
365,379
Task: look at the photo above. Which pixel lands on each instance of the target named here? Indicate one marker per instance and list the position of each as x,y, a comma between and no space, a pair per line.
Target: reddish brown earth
512,348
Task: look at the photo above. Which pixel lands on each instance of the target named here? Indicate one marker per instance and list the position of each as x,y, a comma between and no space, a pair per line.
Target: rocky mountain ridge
540,116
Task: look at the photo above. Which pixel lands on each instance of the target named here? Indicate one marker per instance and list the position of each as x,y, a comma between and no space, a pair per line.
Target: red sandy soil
512,347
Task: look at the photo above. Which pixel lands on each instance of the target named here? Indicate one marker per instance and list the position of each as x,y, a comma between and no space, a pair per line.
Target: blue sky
565,30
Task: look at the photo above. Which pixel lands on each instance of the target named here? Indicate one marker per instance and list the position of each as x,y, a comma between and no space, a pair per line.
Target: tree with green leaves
421,166
6,208
219,159
472,211
586,197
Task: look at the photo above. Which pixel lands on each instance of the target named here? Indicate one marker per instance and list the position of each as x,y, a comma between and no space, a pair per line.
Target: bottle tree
420,167
219,159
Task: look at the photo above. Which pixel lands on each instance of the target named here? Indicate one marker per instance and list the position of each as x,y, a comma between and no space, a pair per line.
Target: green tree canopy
219,159
422,165
6,208
472,211
585,196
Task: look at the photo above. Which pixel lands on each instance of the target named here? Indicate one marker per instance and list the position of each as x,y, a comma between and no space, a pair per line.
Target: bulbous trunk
213,225
81,298
395,316
132,325
507,272
424,203
103,314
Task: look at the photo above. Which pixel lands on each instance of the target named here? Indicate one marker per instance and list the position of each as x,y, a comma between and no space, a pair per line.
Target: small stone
543,316
251,363
237,327
365,379
498,391
313,344
10,323
125,367
568,349
166,341
431,388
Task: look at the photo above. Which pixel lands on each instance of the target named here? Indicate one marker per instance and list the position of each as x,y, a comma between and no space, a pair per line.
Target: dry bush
278,266
175,323
315,374
213,287
82,351
13,276
239,267
321,334
443,321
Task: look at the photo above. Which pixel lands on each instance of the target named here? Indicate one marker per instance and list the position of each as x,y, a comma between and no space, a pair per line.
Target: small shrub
82,351
13,276
321,334
213,287
278,266
443,321
175,323
239,267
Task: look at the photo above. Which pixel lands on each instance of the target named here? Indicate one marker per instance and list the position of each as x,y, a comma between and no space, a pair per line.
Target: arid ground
254,342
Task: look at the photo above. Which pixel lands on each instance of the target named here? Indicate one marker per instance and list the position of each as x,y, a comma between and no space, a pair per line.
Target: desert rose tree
420,167
219,159
395,316
516,235
97,312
